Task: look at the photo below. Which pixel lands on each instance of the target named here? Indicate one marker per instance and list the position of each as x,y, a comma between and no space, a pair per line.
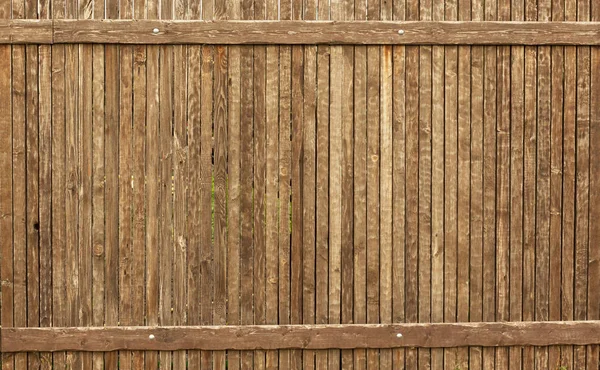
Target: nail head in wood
400,32
151,336
155,31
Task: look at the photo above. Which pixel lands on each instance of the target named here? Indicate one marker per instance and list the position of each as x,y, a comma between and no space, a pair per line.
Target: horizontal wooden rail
430,335
298,32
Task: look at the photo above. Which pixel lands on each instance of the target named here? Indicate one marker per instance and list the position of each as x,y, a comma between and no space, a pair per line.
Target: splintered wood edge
298,32
252,337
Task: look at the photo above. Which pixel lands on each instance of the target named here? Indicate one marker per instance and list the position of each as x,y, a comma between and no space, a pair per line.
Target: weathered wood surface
128,31
343,336
21,31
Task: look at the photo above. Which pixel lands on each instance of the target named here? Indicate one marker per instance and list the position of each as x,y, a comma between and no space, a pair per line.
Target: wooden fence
366,184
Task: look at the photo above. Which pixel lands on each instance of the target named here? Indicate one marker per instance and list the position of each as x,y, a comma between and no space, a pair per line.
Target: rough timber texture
232,171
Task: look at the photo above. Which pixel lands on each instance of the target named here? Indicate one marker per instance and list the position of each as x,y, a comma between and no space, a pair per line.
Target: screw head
156,30
399,335
400,32
151,336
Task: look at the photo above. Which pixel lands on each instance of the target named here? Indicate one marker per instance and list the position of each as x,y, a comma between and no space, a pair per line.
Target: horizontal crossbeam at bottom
251,337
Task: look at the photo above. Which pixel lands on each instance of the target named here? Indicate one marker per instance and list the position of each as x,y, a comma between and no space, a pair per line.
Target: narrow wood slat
58,193
180,183
206,183
193,201
19,195
300,32
32,191
6,197
399,192
247,337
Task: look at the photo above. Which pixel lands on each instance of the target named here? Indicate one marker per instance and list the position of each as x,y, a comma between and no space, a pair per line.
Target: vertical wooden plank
373,153
98,174
247,165
206,183
594,189
437,185
464,186
503,186
568,185
85,160
152,190
6,192
72,91
180,180
309,183
125,193
542,249
385,193
476,223
360,185
450,182
412,185
193,219
180,183
398,194
297,72
45,183
220,183
322,196
272,185
347,258
98,186
19,195
529,199
165,211
32,222
285,172
259,84
476,258
32,190
582,180
424,193
285,211
335,201
233,183
233,197
489,186
111,194
516,182
556,171
58,193
139,190
74,359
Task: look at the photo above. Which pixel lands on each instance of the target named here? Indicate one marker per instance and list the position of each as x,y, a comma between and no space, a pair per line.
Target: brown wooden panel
300,32
247,337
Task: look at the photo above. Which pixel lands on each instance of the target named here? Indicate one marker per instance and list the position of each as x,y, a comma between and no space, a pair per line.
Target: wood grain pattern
299,162
300,32
425,335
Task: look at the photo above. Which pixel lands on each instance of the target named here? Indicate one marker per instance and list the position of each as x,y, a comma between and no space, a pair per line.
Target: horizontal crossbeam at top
252,337
20,31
